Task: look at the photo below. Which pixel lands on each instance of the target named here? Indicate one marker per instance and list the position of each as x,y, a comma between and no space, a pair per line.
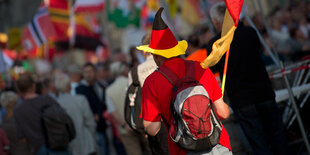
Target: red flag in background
60,17
80,26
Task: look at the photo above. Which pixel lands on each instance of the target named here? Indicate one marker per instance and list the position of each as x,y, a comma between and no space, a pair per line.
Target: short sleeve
150,110
217,91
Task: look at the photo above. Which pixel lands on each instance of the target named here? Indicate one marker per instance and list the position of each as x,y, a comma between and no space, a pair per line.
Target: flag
173,7
191,11
89,6
15,38
60,16
222,45
123,13
229,26
148,12
38,31
87,25
5,62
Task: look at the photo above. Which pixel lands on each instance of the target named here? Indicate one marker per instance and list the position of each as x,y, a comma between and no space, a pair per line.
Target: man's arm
152,128
221,109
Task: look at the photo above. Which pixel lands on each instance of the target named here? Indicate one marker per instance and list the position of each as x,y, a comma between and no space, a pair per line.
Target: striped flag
39,30
89,6
60,16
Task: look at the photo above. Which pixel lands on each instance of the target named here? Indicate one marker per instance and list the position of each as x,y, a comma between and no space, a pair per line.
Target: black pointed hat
163,42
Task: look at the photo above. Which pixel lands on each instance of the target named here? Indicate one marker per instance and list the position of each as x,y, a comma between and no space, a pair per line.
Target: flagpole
291,95
225,71
71,31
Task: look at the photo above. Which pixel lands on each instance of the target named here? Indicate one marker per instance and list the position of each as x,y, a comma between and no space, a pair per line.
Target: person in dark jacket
95,94
249,89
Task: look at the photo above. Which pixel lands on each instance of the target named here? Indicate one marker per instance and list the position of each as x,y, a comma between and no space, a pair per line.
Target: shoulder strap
190,69
168,74
135,77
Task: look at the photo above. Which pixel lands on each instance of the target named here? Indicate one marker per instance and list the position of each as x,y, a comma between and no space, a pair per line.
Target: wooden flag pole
225,71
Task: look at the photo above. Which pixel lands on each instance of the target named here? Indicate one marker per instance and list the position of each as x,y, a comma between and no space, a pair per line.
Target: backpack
133,103
194,124
58,127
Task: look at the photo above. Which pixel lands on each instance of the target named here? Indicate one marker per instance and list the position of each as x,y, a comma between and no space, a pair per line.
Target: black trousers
262,125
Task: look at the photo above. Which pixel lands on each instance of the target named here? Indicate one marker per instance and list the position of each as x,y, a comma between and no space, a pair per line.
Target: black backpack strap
168,74
135,77
190,69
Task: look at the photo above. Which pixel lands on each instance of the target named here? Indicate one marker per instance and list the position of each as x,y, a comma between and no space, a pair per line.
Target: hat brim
177,50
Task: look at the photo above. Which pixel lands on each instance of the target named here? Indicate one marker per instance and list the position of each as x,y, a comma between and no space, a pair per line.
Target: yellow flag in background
220,47
190,12
173,7
15,39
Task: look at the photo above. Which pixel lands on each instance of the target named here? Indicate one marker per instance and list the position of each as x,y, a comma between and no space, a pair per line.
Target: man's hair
89,65
62,82
217,12
25,83
104,66
117,68
8,100
74,69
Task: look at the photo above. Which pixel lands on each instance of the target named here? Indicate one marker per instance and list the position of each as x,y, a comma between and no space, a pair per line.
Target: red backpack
194,124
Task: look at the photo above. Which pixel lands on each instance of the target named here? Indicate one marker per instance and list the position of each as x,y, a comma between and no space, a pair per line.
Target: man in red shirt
157,90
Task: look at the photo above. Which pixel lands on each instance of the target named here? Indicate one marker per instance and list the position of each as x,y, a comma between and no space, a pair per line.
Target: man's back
78,109
28,120
157,93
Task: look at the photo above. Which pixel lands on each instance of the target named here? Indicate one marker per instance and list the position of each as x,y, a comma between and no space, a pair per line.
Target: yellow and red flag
222,45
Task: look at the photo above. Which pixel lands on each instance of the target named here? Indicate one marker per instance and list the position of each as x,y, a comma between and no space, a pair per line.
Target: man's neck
30,95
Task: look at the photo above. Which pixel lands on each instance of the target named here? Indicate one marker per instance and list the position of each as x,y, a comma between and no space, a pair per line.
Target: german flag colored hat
163,42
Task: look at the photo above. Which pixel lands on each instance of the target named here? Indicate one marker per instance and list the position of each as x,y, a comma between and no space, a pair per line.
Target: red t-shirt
156,95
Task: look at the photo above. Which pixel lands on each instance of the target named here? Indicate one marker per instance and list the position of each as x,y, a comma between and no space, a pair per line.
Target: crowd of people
94,95
289,31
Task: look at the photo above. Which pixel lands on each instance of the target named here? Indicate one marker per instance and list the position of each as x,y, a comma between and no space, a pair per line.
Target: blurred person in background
75,75
104,74
27,115
132,141
134,57
120,56
194,52
8,101
158,143
204,36
280,37
95,94
78,109
299,43
259,23
48,88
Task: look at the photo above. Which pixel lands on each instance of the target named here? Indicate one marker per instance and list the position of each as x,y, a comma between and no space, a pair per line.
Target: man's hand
152,128
96,117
